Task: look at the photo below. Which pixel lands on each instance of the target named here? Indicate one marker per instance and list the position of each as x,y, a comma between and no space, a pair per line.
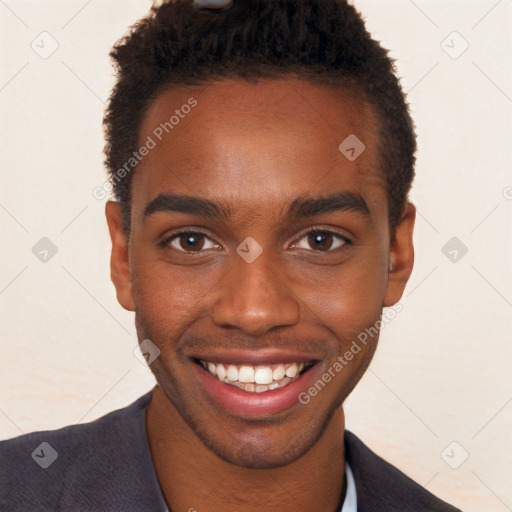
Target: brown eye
322,241
190,241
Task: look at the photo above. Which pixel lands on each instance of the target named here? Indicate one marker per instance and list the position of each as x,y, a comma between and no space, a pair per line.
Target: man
261,155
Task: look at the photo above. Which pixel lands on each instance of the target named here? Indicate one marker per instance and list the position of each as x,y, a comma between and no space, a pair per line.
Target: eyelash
176,236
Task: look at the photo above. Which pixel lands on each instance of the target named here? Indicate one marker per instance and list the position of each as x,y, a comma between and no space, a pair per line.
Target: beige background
442,371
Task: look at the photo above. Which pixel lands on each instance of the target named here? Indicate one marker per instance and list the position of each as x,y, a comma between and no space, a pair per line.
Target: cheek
166,299
347,300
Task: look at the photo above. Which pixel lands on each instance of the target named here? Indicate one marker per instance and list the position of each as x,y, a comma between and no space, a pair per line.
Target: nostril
213,6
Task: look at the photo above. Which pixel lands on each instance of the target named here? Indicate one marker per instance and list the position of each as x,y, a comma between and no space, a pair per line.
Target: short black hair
321,41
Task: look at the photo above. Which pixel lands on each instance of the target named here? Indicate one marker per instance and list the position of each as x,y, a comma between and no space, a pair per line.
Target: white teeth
255,379
292,370
246,374
279,373
232,373
263,375
221,371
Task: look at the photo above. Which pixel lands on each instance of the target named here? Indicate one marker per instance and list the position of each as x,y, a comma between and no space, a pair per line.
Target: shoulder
78,465
381,486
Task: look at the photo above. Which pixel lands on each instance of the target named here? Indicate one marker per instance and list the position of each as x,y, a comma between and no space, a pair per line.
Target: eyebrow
341,201
185,204
301,207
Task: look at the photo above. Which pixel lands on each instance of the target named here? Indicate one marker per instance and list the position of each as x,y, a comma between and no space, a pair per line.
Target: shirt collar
350,502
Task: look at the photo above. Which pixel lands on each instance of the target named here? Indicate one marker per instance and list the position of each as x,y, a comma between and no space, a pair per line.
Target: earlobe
120,272
401,257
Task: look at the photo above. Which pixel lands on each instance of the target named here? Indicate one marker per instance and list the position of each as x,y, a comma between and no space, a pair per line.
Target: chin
260,451
264,444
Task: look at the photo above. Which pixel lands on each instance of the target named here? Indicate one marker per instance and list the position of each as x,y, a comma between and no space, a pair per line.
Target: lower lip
243,403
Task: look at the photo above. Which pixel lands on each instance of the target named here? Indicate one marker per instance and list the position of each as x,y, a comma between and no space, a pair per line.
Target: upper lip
255,357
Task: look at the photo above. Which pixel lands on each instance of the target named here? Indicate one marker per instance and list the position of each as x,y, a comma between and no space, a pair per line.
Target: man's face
267,156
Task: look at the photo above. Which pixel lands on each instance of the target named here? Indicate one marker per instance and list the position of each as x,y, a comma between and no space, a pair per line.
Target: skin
253,148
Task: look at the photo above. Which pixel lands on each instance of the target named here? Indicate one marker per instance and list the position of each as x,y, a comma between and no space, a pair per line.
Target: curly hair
321,41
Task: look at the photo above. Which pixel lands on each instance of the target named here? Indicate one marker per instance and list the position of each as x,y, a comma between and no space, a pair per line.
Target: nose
253,297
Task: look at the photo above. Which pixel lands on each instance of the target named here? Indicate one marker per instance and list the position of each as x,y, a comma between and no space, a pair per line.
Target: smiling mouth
256,379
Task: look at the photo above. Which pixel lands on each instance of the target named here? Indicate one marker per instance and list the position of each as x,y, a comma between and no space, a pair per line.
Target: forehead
246,141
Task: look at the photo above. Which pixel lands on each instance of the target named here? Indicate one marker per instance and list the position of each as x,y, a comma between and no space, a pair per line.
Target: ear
401,256
120,272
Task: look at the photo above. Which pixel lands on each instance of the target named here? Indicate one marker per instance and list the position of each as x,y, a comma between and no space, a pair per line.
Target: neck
192,478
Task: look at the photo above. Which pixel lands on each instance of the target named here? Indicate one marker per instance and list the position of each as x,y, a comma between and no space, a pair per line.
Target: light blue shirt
350,502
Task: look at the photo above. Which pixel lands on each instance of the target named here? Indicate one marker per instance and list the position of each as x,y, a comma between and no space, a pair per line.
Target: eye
322,240
190,241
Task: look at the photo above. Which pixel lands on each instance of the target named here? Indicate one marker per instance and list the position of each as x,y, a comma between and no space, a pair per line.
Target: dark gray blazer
106,465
